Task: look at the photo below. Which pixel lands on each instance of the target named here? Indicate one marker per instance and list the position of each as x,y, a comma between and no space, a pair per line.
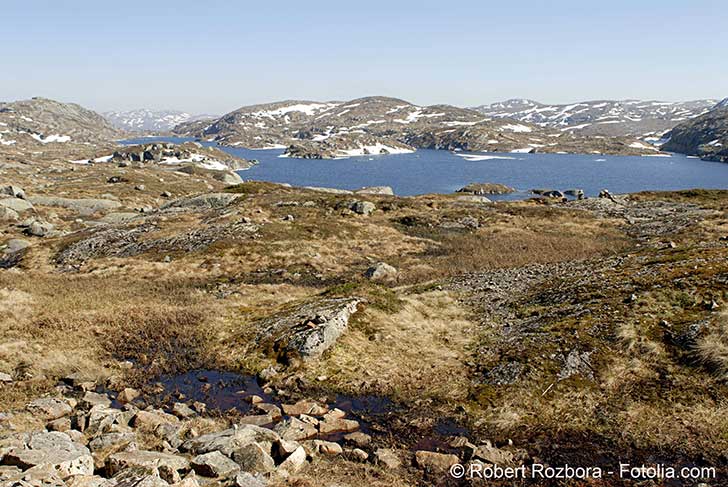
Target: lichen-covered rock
52,449
308,331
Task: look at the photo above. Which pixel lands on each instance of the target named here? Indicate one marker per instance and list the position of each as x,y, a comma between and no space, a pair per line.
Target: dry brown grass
412,354
712,349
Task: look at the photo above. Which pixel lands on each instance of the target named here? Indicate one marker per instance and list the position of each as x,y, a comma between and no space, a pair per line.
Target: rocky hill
144,120
40,121
602,117
375,125
705,136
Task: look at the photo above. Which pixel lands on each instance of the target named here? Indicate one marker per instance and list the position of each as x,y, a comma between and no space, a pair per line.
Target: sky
215,56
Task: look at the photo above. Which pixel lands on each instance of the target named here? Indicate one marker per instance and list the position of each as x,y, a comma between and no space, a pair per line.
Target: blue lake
433,171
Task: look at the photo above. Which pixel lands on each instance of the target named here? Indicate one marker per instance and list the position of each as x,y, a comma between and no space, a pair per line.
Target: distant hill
144,120
705,136
377,124
43,121
601,117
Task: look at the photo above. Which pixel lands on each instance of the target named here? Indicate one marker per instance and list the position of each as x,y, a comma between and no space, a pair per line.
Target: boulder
254,458
486,188
310,330
5,378
49,408
305,407
246,479
381,271
385,190
16,204
39,228
167,464
327,190
214,464
55,450
228,177
293,429
203,201
230,440
473,198
493,455
112,441
8,215
84,206
437,462
365,208
91,399
15,245
13,191
387,458
127,395
182,410
337,425
294,462
152,419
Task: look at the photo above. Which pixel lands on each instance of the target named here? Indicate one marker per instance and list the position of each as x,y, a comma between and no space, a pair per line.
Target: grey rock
474,198
39,228
15,245
91,399
294,462
182,410
228,177
363,207
13,191
230,440
203,201
49,408
293,429
253,458
214,464
8,214
85,206
112,441
387,458
381,271
169,465
6,378
327,190
53,449
16,204
246,479
385,190
311,329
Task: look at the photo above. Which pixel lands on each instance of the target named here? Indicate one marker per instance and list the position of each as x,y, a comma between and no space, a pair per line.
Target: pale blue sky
214,56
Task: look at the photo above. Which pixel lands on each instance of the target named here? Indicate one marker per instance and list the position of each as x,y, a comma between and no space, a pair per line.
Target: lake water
439,171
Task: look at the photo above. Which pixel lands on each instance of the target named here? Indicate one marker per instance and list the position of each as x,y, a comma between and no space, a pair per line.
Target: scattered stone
60,424
167,464
253,458
310,330
246,479
230,440
327,447
128,395
493,455
200,202
166,194
381,271
357,455
335,425
358,438
49,408
387,458
486,188
52,449
140,187
38,228
295,429
13,191
5,378
294,462
16,204
365,208
8,215
433,461
91,399
182,410
151,419
385,190
304,407
214,464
